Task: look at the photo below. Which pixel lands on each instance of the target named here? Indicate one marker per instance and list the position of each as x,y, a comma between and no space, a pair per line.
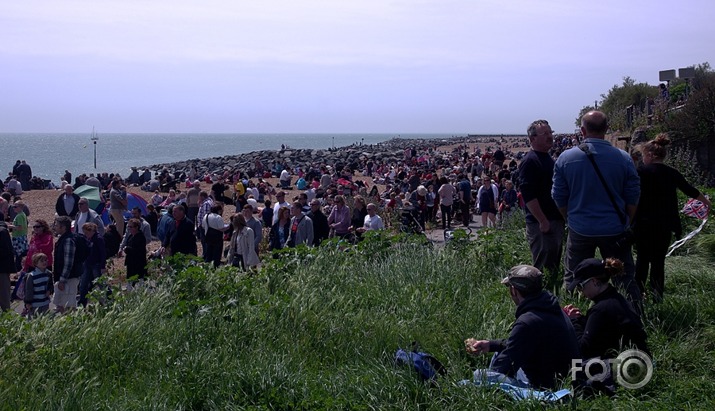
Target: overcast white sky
367,66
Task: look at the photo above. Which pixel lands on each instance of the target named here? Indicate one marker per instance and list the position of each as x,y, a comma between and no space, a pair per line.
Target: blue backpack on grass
428,367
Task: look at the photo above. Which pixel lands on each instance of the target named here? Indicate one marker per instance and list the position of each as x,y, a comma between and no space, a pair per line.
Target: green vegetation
688,117
317,329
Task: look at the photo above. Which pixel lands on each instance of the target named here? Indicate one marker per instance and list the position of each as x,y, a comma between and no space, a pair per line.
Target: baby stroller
409,222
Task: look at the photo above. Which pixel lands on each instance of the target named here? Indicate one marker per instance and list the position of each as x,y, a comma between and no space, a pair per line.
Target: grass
318,329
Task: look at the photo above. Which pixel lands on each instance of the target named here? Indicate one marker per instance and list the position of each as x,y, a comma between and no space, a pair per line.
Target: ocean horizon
50,154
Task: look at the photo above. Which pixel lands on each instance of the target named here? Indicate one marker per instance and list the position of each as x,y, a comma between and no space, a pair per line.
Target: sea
50,154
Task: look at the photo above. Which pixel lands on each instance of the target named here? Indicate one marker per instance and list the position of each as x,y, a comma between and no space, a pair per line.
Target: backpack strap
621,215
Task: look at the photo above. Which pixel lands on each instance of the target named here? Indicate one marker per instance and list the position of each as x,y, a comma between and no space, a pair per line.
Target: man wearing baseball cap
542,341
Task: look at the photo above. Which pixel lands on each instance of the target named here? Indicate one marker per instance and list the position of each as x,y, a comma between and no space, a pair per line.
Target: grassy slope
318,331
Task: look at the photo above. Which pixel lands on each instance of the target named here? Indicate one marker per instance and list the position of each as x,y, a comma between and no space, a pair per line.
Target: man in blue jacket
592,218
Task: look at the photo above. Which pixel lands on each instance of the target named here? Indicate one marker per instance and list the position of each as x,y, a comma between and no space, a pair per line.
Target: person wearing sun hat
611,324
542,342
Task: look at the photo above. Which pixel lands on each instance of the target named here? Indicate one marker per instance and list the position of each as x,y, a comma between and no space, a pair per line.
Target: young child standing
38,287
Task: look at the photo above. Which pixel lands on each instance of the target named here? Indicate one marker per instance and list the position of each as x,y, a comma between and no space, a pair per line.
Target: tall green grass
317,329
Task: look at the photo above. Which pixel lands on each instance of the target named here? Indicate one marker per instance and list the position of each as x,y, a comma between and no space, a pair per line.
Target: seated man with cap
542,342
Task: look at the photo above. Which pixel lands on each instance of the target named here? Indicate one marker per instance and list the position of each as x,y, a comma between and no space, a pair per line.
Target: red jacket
42,243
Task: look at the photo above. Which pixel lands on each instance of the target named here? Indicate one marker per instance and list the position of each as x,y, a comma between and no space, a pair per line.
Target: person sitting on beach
156,199
239,189
217,191
285,178
325,178
301,184
154,185
14,187
170,199
252,190
93,181
133,177
181,199
145,177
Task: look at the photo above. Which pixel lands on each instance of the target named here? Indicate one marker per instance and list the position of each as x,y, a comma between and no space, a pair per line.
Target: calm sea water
50,155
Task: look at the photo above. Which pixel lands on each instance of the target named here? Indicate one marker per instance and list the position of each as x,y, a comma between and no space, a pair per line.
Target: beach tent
93,195
133,200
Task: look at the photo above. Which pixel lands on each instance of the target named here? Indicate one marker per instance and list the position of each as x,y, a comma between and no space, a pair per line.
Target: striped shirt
38,286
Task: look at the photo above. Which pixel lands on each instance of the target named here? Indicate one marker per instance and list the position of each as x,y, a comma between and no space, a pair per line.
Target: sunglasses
583,284
37,226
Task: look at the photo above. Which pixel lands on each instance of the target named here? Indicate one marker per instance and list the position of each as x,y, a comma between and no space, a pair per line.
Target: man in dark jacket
180,236
7,266
321,229
67,203
542,342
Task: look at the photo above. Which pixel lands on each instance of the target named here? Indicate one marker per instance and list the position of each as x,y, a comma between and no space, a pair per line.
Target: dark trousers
213,252
466,215
86,282
238,262
580,247
446,216
652,243
546,248
192,212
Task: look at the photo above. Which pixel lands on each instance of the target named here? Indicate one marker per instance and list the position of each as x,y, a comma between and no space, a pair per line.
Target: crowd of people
608,201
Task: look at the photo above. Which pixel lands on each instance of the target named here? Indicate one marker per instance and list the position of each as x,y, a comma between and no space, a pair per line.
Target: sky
331,66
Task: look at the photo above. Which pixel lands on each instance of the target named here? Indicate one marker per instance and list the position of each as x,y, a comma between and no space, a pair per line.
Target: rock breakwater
388,152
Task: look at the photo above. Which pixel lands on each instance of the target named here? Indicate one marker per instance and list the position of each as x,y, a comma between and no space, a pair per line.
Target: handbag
628,236
20,245
18,293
